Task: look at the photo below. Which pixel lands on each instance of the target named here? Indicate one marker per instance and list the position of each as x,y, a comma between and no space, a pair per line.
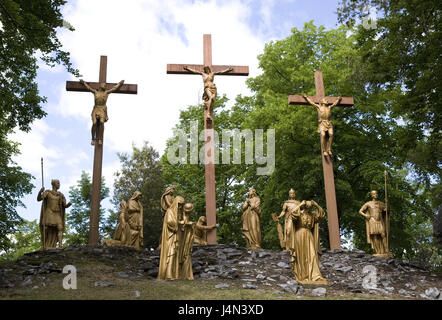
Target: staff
43,217
387,212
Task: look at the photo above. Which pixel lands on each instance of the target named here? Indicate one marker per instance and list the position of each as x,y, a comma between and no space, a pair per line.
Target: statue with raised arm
376,222
99,112
209,94
325,127
52,216
305,255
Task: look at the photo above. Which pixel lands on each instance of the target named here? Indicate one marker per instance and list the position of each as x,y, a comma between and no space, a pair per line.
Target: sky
139,38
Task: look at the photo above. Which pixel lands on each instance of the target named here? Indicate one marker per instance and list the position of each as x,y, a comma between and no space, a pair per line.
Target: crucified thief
209,94
325,126
99,112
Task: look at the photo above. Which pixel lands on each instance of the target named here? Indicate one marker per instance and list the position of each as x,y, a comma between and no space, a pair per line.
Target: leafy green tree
27,32
402,53
189,179
26,239
140,171
78,217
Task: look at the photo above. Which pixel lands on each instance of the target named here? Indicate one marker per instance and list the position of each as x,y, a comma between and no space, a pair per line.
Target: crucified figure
99,112
209,94
325,127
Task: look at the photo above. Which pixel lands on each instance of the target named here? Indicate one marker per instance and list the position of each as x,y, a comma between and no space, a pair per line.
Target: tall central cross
208,126
327,165
98,147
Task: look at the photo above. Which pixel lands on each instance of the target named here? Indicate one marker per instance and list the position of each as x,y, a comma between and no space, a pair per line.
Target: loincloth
99,112
324,125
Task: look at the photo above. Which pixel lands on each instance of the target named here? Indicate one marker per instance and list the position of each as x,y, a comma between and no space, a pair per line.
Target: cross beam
208,126
98,147
327,165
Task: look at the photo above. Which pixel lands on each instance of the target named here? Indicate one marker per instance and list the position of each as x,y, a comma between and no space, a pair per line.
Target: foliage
403,52
27,31
78,217
364,146
140,171
189,179
25,239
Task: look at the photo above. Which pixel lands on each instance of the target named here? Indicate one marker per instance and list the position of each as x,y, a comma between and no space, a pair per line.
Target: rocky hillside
351,274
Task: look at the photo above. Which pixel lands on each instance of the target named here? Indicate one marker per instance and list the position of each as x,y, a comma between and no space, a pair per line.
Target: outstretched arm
87,86
336,102
116,87
310,101
229,69
192,70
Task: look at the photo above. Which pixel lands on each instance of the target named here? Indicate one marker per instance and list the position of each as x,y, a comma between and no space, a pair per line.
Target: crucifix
101,91
324,106
208,71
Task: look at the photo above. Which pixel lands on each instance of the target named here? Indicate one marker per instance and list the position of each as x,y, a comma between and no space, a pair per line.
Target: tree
27,30
78,217
140,171
403,54
189,179
26,239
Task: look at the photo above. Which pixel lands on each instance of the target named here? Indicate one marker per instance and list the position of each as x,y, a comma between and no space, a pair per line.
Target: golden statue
325,127
169,260
306,243
134,220
185,240
99,112
251,227
377,225
122,233
209,94
287,209
200,233
166,200
52,216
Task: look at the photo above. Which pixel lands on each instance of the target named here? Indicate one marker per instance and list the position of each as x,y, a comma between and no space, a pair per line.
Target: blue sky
140,38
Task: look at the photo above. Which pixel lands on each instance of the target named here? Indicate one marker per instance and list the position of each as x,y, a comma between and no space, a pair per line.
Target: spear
43,215
387,211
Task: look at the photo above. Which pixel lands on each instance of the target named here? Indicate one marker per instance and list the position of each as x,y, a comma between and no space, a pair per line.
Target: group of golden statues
299,236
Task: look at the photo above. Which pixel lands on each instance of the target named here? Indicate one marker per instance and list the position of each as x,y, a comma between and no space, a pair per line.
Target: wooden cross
98,147
208,126
327,165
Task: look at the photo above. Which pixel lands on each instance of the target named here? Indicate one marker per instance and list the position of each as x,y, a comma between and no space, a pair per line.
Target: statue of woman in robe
134,219
251,220
185,239
200,233
306,243
169,262
287,209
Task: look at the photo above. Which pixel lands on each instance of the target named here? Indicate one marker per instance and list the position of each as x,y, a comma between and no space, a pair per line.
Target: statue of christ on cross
99,113
325,126
209,94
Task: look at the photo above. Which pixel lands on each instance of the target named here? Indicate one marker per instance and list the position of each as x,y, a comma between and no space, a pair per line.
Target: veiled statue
52,216
289,231
166,200
129,230
250,219
377,225
169,260
200,233
185,240
305,255
134,219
